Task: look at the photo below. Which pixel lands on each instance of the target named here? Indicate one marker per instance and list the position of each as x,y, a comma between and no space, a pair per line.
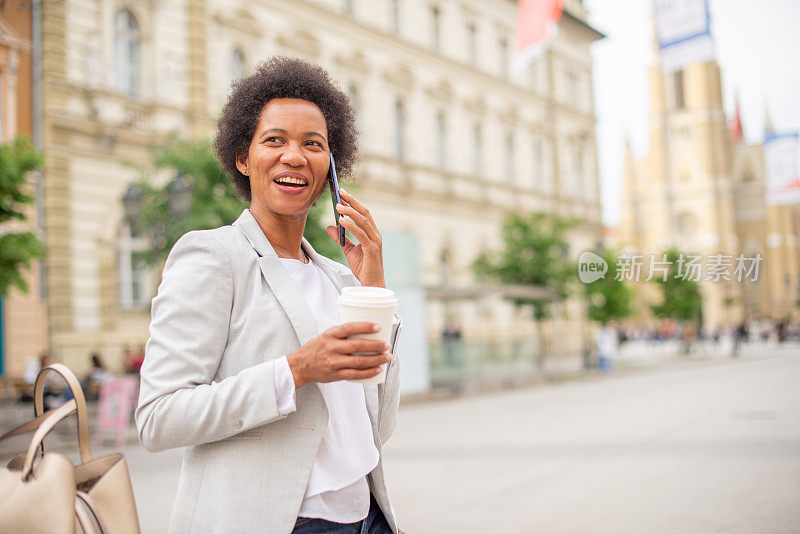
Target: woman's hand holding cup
330,356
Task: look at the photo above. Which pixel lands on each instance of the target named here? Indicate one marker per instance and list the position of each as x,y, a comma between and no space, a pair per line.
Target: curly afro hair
284,77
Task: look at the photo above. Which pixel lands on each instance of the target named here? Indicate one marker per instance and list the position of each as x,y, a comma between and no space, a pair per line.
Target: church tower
680,195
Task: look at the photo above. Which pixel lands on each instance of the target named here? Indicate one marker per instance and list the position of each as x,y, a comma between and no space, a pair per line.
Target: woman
247,365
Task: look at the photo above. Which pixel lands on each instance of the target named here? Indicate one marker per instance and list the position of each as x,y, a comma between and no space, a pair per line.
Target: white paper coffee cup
372,304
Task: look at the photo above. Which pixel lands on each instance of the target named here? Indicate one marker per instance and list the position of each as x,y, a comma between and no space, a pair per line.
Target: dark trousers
375,523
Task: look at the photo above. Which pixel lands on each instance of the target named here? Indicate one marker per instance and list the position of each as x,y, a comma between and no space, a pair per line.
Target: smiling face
288,158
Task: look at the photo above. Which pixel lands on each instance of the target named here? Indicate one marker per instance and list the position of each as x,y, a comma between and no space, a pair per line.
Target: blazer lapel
279,281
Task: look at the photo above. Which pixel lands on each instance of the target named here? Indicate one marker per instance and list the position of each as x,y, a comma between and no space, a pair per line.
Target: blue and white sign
684,33
780,160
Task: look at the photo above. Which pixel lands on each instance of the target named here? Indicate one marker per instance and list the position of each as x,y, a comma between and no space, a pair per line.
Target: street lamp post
132,204
179,192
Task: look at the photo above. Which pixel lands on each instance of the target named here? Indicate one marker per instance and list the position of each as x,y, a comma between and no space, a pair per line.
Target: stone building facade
452,140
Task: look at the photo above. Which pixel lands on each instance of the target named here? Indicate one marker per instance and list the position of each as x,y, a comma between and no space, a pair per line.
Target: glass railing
464,363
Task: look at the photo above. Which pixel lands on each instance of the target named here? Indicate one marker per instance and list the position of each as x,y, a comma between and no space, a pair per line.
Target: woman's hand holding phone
366,258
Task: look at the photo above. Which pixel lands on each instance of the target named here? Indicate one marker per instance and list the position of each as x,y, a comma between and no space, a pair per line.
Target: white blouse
337,488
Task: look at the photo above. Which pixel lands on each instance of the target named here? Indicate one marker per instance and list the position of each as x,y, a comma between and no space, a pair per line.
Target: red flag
537,23
735,125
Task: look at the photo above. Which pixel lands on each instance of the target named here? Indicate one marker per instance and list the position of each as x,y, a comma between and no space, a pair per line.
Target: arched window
477,148
509,163
441,140
127,52
133,275
236,70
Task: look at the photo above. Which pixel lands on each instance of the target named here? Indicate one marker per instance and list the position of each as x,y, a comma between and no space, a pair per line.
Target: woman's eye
273,139
315,143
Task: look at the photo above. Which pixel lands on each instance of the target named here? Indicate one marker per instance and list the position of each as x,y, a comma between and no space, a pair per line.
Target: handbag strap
33,424
51,420
80,405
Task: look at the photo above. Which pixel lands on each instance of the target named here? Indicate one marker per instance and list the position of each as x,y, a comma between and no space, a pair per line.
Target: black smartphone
333,183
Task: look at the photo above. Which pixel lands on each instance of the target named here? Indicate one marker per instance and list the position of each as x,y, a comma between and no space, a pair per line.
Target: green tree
533,254
681,299
609,299
17,250
213,202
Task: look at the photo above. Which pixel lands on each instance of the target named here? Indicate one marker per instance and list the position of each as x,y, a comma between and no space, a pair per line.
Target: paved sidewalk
697,445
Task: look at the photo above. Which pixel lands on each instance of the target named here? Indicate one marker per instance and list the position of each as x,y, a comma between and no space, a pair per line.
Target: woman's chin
290,209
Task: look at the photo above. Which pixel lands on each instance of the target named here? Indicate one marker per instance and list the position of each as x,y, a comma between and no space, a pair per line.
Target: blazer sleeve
179,403
389,391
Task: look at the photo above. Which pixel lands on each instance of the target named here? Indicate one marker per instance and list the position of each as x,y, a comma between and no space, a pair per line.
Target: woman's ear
241,164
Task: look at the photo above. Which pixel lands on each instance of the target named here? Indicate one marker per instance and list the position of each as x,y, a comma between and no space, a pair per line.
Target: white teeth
290,180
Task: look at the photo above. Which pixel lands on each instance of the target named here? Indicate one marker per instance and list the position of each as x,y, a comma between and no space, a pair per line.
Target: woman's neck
284,232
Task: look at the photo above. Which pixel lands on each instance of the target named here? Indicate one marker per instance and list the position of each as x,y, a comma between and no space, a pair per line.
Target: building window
435,28
399,130
678,90
573,87
504,58
352,92
349,7
236,71
441,140
355,102
477,148
394,15
133,275
509,166
538,165
127,52
472,44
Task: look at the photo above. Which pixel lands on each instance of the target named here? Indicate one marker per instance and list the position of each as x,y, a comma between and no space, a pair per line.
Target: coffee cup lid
368,296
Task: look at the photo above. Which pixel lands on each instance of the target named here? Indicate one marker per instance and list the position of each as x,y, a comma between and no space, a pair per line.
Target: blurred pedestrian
607,344
96,377
134,360
451,338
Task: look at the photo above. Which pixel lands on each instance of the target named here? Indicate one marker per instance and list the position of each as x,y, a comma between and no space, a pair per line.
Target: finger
361,362
356,327
358,374
357,205
333,231
349,346
359,234
361,220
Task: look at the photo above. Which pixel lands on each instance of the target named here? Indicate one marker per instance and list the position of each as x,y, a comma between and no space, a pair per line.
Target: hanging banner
537,25
780,160
683,29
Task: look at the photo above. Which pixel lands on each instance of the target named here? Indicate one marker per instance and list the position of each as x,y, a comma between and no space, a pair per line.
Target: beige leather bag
53,496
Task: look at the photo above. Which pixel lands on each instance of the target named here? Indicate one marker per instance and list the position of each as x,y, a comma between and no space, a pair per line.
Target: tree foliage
681,299
534,253
17,250
609,298
214,202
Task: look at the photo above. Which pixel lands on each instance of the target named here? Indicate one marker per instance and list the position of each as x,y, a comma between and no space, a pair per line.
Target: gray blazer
225,310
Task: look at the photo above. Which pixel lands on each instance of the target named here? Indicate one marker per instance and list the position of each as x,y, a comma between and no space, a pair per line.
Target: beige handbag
53,496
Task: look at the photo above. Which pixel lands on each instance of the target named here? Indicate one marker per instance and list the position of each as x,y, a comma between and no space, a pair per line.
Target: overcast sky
756,47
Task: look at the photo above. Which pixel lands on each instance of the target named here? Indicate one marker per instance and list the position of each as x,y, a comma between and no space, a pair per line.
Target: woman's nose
292,156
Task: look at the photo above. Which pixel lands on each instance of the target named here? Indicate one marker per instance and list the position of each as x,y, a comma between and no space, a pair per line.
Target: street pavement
706,445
